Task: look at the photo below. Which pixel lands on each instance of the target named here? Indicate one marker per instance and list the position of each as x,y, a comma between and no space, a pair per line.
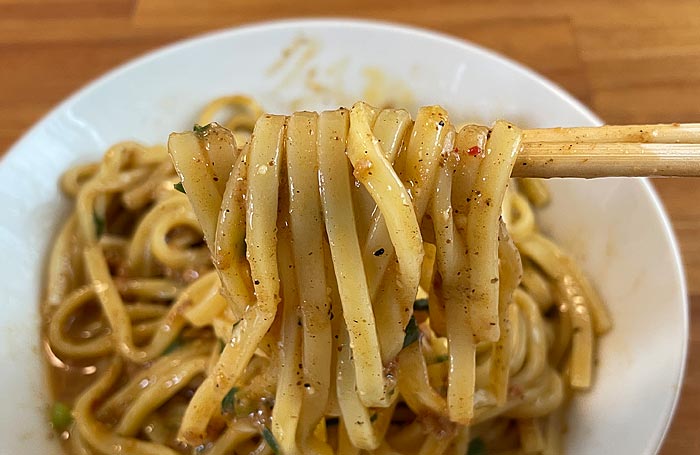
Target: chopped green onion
228,404
174,346
476,447
178,186
442,358
412,332
99,224
420,305
199,129
270,440
61,416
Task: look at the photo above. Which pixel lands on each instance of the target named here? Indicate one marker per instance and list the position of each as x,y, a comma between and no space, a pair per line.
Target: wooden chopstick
610,151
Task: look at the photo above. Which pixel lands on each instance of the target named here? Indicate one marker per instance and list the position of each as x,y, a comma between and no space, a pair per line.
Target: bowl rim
421,32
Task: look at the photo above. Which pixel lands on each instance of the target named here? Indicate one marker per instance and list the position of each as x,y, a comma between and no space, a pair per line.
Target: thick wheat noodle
452,267
510,272
430,138
263,183
93,432
300,246
290,391
306,220
229,248
335,190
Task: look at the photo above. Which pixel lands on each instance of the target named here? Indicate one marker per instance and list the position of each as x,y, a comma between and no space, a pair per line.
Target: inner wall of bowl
608,226
612,226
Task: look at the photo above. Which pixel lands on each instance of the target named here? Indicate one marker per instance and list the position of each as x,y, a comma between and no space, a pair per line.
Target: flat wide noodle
345,282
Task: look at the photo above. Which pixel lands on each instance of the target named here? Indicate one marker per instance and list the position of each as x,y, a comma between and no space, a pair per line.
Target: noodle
346,282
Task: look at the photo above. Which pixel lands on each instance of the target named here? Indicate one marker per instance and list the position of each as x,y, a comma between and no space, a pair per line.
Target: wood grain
631,61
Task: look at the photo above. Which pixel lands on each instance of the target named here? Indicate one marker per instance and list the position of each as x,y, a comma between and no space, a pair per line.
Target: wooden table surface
629,60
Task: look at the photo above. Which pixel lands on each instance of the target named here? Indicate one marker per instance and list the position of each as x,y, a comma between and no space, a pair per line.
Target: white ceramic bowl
615,227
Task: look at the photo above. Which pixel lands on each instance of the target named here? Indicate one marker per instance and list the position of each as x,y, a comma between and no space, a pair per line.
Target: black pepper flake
379,252
257,281
331,421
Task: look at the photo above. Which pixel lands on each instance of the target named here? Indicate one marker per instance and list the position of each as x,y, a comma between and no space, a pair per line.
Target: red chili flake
475,151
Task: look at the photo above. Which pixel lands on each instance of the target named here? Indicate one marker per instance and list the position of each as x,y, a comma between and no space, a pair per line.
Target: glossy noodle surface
352,282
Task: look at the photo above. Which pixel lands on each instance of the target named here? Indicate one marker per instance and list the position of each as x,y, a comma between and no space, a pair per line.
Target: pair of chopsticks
607,151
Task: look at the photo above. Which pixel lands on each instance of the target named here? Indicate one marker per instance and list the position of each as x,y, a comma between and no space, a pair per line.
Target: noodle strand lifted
350,282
